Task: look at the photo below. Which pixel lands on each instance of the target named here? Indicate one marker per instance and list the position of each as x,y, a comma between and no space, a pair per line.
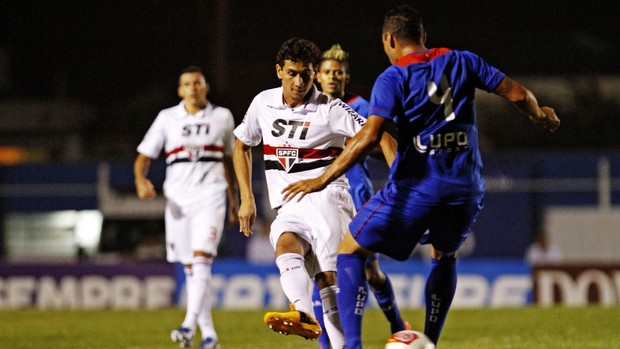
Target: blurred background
81,82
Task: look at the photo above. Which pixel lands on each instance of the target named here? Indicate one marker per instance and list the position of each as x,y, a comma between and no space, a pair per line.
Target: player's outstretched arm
242,161
356,149
526,102
144,188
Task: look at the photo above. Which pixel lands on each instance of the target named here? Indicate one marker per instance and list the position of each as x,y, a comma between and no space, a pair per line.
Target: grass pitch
531,328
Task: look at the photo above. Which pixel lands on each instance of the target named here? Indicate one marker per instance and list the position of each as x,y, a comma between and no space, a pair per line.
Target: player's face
193,89
297,78
333,78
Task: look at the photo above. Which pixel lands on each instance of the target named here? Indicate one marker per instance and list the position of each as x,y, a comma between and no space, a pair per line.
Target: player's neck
337,95
194,108
407,49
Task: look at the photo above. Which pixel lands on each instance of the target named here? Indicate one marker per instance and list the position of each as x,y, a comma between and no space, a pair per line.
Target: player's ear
279,71
392,40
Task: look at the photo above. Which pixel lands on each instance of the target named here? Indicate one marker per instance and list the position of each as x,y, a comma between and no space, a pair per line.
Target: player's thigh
287,220
178,233
451,225
207,223
328,214
390,226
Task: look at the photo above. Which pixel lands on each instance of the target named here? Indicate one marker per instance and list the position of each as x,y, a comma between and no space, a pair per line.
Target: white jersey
194,146
298,143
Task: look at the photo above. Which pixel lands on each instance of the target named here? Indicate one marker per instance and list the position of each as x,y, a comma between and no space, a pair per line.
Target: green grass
531,328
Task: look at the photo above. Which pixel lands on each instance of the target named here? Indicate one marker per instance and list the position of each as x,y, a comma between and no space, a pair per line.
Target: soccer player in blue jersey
333,75
436,179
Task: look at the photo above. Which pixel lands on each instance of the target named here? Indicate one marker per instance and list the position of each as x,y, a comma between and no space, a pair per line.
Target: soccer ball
409,340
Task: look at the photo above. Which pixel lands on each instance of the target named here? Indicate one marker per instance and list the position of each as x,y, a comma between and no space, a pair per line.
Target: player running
197,138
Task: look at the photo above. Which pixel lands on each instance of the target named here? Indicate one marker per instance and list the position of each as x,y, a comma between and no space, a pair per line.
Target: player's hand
550,121
247,217
145,189
304,187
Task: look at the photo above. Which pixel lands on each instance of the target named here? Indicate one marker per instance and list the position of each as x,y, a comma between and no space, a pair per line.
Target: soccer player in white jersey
303,131
197,139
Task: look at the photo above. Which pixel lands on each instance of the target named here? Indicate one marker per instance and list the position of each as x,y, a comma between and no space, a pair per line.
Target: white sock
190,316
202,276
295,281
331,318
197,291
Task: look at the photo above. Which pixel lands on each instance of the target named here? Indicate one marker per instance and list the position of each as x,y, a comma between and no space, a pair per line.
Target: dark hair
298,50
405,23
193,69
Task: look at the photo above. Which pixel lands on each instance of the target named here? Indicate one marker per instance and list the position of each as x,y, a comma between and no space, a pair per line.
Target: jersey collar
311,105
421,56
201,113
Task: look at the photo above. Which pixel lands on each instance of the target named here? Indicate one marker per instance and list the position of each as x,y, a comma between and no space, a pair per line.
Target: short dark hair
298,50
405,23
193,69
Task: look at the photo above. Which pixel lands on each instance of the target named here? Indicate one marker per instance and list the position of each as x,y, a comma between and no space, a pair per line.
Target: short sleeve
249,131
488,76
385,95
154,139
343,119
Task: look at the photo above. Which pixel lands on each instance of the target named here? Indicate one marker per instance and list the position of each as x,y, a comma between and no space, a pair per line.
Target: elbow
520,95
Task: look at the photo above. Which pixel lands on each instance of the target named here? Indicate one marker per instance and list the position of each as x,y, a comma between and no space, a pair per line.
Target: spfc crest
287,157
193,152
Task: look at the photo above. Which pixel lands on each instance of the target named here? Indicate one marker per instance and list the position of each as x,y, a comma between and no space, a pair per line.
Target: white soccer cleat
209,343
183,336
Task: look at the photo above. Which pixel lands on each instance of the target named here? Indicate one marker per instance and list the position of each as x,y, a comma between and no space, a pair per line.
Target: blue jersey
361,188
430,97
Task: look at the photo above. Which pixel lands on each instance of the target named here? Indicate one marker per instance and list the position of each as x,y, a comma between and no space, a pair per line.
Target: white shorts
322,219
194,227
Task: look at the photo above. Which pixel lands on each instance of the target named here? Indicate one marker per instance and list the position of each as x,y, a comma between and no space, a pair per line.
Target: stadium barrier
238,284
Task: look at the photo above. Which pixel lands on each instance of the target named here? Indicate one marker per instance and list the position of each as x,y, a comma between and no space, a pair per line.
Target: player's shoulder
353,99
269,96
218,110
171,112
339,107
175,109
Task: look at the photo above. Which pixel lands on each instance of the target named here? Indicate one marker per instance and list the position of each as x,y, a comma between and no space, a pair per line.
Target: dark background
123,57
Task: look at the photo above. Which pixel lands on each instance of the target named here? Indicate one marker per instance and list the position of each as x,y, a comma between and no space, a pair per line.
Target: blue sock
387,301
439,292
351,297
318,314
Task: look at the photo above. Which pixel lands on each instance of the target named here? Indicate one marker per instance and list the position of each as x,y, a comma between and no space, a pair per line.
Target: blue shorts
392,224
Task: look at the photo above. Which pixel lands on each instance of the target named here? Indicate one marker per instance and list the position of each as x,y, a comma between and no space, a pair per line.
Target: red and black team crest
287,157
193,152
